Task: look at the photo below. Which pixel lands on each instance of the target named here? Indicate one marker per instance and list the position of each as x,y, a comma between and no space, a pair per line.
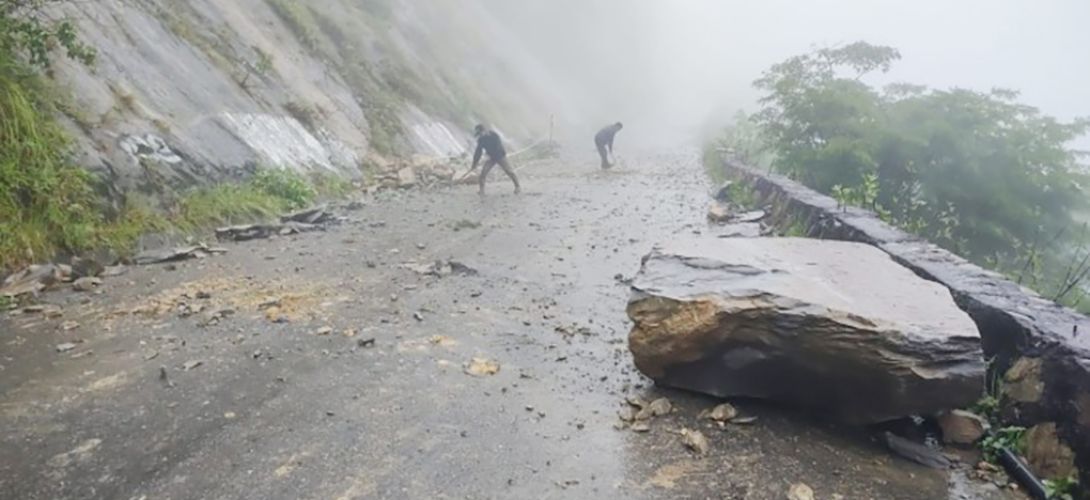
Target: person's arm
478,153
610,143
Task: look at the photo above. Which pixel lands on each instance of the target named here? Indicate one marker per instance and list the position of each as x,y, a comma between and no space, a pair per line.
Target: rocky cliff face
192,92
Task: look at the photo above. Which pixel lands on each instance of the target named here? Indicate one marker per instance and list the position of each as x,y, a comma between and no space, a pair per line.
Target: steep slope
192,92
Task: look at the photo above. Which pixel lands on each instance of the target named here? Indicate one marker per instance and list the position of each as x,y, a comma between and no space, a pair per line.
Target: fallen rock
749,217
1048,457
482,367
314,215
834,327
695,441
86,284
66,347
89,267
723,413
189,365
440,269
406,178
34,279
962,427
800,491
177,254
719,212
657,408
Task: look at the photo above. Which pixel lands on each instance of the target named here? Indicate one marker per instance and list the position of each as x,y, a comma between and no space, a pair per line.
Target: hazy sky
671,65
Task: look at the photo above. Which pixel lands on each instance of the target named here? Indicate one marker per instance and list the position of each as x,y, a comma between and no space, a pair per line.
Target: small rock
744,420
640,427
627,414
636,401
723,413
366,342
323,331
800,491
86,284
718,212
695,441
189,365
66,347
657,408
417,316
69,325
962,427
482,367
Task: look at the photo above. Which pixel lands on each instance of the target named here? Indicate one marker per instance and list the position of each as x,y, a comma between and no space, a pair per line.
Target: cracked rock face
834,327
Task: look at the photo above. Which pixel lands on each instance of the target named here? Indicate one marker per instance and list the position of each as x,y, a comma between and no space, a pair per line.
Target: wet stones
962,427
1047,456
837,328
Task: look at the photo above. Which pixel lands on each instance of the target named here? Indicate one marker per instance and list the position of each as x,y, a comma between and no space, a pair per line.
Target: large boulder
834,327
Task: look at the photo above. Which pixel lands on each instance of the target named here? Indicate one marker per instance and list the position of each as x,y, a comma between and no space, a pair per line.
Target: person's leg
487,167
506,166
605,156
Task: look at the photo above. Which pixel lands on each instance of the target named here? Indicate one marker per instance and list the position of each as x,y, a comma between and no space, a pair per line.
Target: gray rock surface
835,327
1042,346
198,92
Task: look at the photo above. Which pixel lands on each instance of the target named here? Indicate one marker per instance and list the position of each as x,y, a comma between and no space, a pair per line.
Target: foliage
331,186
46,202
987,406
26,31
284,184
976,172
264,63
742,140
1007,437
268,192
1061,489
300,20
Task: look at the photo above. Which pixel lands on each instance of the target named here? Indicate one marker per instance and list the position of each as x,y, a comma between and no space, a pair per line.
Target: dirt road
254,375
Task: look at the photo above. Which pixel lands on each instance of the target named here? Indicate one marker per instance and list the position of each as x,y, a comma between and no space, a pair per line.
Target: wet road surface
253,375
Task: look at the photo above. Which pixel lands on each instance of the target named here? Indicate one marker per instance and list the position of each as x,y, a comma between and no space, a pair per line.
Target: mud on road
335,365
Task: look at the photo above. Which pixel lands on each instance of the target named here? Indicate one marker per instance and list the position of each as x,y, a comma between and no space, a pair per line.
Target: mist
675,70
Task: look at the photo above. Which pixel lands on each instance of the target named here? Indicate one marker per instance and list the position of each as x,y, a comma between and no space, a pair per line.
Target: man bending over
604,141
488,141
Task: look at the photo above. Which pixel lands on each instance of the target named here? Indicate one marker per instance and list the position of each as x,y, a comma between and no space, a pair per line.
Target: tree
1002,168
25,29
977,172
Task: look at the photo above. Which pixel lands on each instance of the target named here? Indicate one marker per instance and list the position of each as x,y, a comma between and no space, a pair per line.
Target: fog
674,69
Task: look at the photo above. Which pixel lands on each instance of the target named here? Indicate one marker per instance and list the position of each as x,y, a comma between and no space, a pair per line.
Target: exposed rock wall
198,91
1041,348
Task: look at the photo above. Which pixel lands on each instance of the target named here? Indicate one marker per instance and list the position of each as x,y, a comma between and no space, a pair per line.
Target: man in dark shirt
603,140
488,141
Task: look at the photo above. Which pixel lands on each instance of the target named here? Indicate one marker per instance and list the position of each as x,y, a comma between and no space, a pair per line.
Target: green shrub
288,186
46,202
